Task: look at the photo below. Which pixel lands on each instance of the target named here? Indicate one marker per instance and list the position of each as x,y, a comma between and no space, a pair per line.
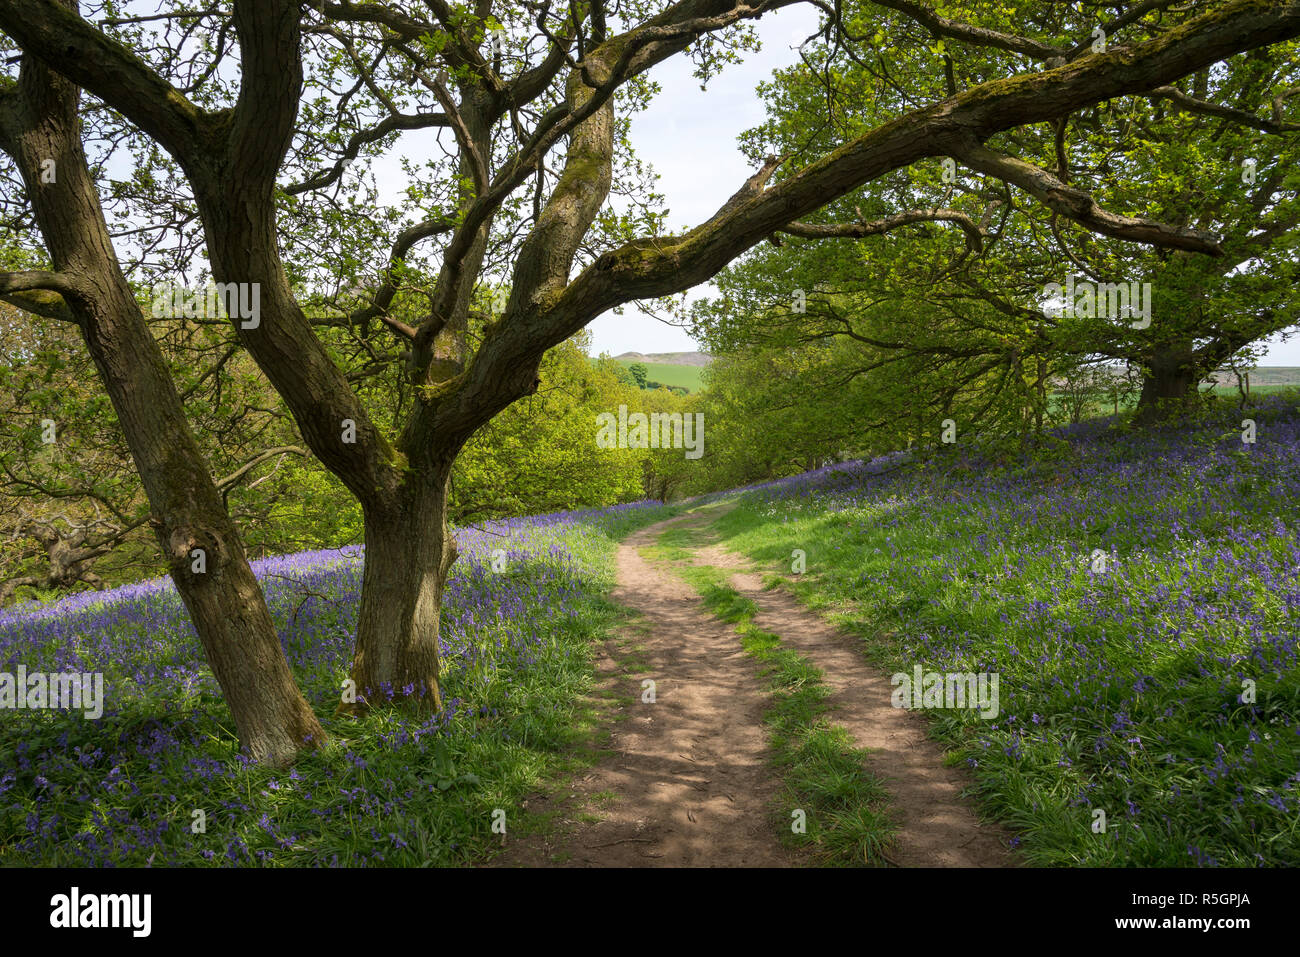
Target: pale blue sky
689,136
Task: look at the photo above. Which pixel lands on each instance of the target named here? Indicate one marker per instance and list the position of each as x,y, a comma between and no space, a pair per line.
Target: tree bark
39,122
409,551
1169,384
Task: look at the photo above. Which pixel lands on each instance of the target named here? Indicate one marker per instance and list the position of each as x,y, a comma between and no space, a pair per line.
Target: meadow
1158,686
1136,592
158,781
687,377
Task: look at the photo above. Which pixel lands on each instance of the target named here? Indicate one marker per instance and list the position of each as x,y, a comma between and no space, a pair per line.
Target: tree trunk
404,503
1168,385
409,551
201,545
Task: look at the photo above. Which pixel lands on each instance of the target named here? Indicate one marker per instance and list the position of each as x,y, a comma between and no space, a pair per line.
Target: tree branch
976,36
1241,117
27,280
68,43
974,234
1077,205
229,481
646,268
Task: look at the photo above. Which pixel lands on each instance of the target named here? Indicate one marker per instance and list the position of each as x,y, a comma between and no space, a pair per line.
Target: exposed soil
688,783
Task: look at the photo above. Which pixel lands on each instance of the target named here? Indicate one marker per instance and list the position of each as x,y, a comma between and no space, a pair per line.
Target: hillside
1136,595
667,358
682,376
1137,627
680,370
1262,376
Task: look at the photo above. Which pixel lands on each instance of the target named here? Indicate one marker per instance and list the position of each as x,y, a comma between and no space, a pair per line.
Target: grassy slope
1120,691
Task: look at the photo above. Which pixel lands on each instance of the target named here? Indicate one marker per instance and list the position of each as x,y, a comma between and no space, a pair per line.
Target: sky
690,136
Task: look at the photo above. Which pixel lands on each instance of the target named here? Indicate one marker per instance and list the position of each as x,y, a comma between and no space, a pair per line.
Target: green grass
1126,686
405,806
1232,390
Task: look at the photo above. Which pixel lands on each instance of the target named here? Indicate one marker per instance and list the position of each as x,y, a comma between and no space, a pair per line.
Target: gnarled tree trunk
1169,384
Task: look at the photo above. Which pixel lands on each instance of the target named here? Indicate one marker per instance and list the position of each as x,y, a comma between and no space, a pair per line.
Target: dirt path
937,826
688,784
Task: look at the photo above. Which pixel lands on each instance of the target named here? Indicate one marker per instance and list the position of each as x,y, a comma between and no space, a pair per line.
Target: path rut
937,827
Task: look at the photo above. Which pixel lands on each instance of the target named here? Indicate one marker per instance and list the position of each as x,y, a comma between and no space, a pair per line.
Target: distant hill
667,358
1263,376
1272,377
679,370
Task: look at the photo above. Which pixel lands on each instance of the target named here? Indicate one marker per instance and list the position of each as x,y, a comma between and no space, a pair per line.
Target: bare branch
974,234
229,481
965,32
97,62
478,167
1241,117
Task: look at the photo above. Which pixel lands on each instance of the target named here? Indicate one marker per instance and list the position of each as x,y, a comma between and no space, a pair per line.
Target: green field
683,376
1272,376
1254,389
1104,407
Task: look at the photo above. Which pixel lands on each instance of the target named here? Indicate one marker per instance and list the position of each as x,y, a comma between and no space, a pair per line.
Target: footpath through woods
685,777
